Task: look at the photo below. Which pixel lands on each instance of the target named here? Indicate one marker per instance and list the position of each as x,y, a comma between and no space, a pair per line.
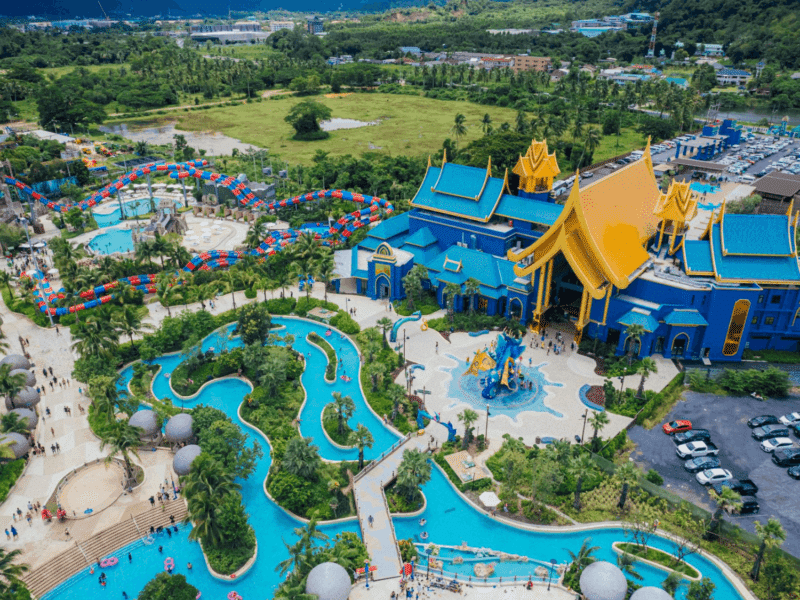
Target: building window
761,298
736,327
776,299
754,321
769,320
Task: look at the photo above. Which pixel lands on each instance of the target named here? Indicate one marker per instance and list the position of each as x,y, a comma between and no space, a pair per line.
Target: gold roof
536,162
678,204
602,230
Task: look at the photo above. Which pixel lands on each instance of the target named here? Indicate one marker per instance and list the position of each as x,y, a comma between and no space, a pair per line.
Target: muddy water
213,143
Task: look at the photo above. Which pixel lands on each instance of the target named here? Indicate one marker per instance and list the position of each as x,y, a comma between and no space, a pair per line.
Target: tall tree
413,472
627,475
647,367
598,421
344,407
459,130
580,468
361,438
122,439
771,535
467,417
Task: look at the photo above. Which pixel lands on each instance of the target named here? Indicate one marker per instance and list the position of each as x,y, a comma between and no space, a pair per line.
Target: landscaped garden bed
659,557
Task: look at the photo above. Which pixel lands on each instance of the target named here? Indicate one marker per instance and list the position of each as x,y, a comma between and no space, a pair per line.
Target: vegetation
11,570
657,556
9,473
224,441
769,382
330,369
168,587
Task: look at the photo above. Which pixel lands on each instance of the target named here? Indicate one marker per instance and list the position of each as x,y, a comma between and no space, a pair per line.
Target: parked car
773,444
796,429
677,426
711,476
695,449
788,457
747,506
770,431
791,419
763,420
693,435
701,463
745,487
794,472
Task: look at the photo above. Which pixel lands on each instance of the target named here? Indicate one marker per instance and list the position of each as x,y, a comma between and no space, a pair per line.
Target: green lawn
410,125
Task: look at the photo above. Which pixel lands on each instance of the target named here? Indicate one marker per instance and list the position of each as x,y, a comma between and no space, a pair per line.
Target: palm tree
450,291
592,140
626,563
486,124
324,270
647,367
414,471
128,322
205,486
165,291
726,499
5,279
385,324
672,583
344,407
105,396
634,334
284,279
10,385
95,336
771,535
232,279
396,393
301,458
472,288
122,439
145,252
361,438
10,571
12,423
458,129
375,371
580,467
255,235
627,475
467,417
598,421
141,148
584,557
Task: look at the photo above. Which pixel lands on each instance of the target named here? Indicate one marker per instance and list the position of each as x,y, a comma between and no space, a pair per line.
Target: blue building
617,254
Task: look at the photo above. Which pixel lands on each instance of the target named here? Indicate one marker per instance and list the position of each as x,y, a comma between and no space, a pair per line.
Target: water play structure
400,322
499,364
451,431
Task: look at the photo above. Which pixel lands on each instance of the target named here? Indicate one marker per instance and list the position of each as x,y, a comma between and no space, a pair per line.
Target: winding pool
450,520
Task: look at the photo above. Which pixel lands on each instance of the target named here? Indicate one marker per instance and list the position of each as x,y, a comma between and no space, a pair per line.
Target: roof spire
429,161
791,208
489,167
444,156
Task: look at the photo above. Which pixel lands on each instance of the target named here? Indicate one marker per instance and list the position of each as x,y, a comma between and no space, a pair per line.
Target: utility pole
486,429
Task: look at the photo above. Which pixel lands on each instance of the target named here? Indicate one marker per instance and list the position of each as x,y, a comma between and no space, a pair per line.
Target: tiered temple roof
537,168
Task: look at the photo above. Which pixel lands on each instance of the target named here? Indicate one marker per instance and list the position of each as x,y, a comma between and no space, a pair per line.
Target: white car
696,449
790,419
776,444
710,476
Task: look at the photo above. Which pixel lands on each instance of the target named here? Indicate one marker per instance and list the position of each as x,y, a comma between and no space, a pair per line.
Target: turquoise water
469,387
140,206
113,240
450,521
704,188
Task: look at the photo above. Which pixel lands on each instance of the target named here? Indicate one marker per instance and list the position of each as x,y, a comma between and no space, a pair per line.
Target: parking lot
726,419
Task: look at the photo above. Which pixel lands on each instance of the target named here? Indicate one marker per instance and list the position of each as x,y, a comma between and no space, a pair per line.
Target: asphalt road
726,418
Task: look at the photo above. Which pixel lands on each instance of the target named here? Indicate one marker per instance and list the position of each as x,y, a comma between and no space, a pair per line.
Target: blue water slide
400,322
451,431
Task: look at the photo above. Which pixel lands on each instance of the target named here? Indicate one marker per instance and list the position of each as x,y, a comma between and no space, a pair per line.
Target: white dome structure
146,420
602,580
30,377
183,459
329,581
17,361
27,415
650,593
179,428
27,397
19,443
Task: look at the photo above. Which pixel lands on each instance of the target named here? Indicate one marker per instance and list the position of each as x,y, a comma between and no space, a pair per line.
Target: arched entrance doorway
679,345
515,308
382,287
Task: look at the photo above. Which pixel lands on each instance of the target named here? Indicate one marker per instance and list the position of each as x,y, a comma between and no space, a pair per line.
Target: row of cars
755,150
773,433
694,446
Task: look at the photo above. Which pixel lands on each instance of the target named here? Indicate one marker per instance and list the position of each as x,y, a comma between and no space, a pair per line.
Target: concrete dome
602,580
146,420
182,462
27,415
30,377
179,428
17,361
19,443
328,581
650,593
27,397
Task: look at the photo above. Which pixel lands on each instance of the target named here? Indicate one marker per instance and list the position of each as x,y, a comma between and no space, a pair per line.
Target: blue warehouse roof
764,269
697,257
685,316
528,209
460,191
639,316
757,235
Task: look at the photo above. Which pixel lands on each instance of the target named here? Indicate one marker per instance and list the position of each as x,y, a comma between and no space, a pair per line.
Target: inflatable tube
109,562
234,596
148,540
169,564
424,326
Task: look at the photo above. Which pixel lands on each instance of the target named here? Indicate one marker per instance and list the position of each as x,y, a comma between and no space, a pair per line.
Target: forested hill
749,29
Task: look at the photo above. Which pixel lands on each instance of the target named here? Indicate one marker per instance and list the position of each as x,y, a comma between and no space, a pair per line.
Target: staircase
85,553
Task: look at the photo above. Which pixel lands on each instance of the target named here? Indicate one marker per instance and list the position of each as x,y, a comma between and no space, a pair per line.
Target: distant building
512,31
410,50
733,77
558,74
679,81
595,27
278,25
314,25
497,62
341,60
710,50
532,63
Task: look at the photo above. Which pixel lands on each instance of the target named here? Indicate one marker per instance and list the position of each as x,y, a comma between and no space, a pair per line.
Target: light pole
621,385
585,415
550,577
486,429
24,222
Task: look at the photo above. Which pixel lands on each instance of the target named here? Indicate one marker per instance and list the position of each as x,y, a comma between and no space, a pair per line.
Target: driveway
726,418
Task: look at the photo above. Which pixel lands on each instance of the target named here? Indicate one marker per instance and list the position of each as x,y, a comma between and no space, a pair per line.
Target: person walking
58,448
14,532
8,535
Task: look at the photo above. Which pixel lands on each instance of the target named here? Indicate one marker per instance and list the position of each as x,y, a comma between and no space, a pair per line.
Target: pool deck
383,589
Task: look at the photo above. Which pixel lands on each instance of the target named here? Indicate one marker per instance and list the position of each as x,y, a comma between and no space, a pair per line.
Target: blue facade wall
450,232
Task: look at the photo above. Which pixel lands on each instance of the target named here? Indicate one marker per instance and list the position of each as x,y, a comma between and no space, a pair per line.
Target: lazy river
450,519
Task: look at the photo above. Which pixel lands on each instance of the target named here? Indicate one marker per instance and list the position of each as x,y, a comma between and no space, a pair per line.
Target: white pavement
382,590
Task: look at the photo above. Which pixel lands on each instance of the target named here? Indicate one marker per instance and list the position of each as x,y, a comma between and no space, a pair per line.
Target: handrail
86,558
137,526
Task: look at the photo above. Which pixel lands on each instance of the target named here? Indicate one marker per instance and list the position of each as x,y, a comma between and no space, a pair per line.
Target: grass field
409,125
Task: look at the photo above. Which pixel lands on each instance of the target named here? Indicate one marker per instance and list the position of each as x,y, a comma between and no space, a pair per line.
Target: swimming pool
704,188
450,521
113,240
140,206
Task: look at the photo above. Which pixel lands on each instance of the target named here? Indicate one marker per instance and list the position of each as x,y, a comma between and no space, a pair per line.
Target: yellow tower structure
674,209
537,168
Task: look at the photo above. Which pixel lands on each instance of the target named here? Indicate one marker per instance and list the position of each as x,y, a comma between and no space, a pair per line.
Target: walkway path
379,536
